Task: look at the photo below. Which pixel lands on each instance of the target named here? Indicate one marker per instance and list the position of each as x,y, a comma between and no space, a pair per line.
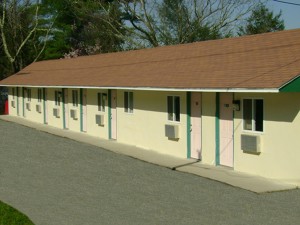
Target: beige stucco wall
208,128
73,124
33,114
92,110
280,154
145,127
52,120
11,98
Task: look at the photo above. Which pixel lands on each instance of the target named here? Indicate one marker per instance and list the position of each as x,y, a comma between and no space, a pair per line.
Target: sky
290,13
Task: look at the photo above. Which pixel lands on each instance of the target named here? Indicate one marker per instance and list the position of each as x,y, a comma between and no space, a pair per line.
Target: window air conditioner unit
28,106
172,131
251,143
38,108
56,112
13,104
73,113
100,120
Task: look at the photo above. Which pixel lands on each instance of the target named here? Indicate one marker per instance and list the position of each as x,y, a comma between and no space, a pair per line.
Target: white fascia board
248,90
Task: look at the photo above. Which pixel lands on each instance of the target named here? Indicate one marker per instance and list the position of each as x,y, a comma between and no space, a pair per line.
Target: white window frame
172,114
28,93
40,95
128,102
13,93
253,127
75,98
101,101
57,97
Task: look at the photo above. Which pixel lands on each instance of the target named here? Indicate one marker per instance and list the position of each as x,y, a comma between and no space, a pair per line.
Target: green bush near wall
11,216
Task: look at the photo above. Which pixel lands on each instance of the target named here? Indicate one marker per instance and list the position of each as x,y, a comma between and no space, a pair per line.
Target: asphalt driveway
58,181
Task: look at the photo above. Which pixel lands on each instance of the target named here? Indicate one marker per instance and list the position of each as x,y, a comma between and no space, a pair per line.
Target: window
75,98
174,108
253,114
13,93
101,102
128,102
28,95
57,98
39,95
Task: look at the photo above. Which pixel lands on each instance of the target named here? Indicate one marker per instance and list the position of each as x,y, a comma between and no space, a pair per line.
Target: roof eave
246,90
292,85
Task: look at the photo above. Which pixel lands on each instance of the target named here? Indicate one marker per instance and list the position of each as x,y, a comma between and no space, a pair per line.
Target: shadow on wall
279,107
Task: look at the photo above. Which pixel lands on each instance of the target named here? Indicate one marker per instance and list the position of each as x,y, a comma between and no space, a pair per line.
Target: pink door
226,130
196,126
113,115
84,110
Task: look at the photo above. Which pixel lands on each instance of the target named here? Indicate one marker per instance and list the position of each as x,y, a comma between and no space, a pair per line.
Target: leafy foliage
79,26
262,20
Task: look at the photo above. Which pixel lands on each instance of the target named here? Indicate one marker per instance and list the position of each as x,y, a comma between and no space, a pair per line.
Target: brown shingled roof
266,61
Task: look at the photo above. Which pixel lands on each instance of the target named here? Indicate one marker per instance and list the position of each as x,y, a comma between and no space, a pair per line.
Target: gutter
237,90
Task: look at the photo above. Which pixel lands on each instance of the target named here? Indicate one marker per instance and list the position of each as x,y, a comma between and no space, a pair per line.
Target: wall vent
56,112
73,113
251,143
100,120
172,131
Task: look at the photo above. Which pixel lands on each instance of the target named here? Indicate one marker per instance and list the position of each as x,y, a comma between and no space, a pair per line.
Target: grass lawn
11,216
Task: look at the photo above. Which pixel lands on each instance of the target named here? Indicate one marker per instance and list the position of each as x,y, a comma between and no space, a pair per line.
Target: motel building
233,102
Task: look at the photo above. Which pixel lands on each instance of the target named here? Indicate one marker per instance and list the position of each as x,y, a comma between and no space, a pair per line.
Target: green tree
21,32
262,20
151,23
178,26
79,28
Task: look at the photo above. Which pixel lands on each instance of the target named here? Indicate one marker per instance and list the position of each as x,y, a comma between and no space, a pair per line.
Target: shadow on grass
11,216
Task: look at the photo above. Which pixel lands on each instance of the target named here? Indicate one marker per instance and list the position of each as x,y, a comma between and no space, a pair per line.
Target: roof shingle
251,62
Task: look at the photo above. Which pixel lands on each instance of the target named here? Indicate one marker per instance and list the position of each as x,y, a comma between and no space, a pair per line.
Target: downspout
81,110
44,104
109,114
18,108
64,107
217,129
23,101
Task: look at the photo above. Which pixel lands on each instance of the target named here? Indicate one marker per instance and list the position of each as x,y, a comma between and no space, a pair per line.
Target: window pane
126,101
259,114
131,102
75,97
103,102
247,110
170,108
55,96
177,108
29,94
99,101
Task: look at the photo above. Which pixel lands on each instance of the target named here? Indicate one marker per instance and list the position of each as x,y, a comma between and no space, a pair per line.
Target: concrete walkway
242,180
